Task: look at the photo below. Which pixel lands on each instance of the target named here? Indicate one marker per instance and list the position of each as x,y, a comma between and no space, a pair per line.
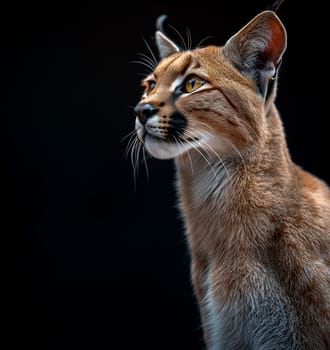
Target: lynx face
184,106
209,98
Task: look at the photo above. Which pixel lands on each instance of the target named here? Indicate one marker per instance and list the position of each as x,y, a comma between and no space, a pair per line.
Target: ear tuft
165,45
160,23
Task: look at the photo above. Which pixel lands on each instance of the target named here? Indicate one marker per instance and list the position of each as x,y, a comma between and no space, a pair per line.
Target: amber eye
192,83
149,86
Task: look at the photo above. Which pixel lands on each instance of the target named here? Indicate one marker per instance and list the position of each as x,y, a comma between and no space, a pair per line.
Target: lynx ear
256,50
165,46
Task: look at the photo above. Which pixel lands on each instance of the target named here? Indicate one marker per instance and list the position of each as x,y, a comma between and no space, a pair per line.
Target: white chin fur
164,150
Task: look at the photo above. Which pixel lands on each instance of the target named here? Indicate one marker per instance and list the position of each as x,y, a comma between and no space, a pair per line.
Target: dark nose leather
144,111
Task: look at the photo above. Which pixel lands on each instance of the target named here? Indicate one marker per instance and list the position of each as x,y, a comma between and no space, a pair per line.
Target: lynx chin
257,225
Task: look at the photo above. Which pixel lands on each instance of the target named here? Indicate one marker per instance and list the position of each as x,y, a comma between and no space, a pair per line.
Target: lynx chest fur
257,224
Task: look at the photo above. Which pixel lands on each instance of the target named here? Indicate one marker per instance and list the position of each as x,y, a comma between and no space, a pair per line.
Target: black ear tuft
165,45
160,23
275,5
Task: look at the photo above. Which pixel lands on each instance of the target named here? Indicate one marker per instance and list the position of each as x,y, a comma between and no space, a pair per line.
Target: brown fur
257,225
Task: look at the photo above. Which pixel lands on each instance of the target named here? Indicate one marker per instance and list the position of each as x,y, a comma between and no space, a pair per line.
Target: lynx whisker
135,148
131,149
144,155
132,139
138,155
189,39
206,125
198,146
130,135
130,145
210,148
145,64
147,59
183,43
143,75
153,56
238,153
137,160
199,45
181,142
230,143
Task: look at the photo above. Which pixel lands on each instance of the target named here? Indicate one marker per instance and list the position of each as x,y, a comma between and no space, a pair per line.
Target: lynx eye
192,83
149,86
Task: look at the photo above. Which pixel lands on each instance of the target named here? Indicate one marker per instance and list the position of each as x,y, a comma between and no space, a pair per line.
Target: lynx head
214,97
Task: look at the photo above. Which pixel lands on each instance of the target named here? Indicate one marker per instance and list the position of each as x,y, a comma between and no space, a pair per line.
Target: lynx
257,225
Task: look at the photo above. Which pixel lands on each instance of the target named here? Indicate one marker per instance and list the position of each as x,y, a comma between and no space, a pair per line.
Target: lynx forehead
257,225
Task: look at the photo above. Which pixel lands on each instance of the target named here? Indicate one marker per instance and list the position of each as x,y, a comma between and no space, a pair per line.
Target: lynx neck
238,193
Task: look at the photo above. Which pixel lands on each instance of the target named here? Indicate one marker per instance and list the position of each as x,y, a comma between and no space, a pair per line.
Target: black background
90,260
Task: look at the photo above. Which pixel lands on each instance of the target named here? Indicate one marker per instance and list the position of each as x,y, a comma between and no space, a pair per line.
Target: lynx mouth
166,141
170,129
170,147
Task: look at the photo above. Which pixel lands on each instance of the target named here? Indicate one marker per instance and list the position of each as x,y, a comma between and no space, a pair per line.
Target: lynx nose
144,111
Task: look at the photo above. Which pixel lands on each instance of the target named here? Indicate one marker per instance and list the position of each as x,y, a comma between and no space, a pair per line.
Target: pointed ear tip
271,17
271,12
268,15
160,22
